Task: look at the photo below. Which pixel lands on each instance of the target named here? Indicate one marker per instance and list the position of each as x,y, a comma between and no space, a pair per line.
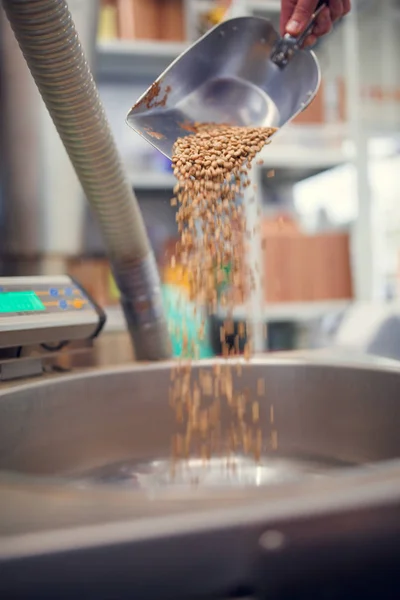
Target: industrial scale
88,507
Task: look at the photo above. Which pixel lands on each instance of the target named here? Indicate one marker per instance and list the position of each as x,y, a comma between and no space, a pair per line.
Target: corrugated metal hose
50,44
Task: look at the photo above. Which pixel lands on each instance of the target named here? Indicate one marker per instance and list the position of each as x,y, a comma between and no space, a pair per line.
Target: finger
301,16
310,41
336,9
288,7
346,7
323,24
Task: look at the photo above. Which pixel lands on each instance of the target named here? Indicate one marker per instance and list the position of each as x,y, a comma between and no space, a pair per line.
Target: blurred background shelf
265,6
274,313
132,59
152,181
119,58
290,311
330,174
291,163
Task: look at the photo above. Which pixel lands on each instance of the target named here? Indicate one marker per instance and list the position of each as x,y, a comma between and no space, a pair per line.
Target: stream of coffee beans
212,166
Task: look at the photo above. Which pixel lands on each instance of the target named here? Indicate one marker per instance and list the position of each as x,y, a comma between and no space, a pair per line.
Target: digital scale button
53,292
68,291
63,304
77,303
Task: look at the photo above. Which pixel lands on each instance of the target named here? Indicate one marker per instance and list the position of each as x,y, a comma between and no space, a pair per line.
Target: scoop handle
303,36
287,46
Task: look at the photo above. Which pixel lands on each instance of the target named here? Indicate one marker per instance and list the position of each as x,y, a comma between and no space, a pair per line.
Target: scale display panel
20,296
38,310
15,302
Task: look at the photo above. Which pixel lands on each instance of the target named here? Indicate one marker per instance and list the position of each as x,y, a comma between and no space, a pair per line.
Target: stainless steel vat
336,483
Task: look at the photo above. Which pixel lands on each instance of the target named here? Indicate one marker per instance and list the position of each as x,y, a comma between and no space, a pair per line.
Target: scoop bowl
227,77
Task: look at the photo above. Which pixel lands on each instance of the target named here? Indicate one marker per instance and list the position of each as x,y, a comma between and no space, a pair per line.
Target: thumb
287,9
302,13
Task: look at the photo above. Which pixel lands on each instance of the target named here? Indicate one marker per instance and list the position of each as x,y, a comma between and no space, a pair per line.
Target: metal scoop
241,73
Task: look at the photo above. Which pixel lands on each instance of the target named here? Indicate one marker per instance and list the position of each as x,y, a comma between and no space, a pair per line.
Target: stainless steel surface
226,77
70,445
217,472
287,47
325,415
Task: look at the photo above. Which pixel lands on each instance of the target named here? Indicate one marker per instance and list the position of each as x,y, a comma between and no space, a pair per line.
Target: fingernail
293,27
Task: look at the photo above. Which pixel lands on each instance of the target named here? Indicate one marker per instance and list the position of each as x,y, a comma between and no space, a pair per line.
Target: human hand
296,14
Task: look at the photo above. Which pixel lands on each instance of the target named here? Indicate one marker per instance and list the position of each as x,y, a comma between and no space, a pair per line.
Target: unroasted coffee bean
211,166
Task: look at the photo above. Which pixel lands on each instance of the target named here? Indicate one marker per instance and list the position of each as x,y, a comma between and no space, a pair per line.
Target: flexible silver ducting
50,44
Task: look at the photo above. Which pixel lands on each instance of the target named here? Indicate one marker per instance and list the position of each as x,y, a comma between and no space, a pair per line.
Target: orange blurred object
304,268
